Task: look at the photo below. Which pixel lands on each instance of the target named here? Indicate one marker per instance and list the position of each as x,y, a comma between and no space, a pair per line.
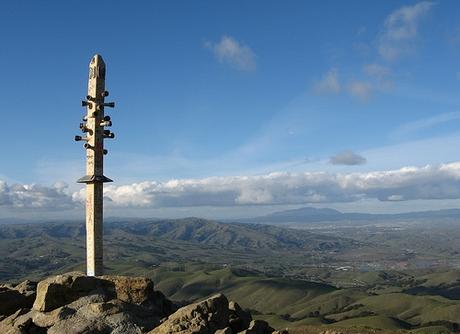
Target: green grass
291,303
286,277
377,322
432,330
278,322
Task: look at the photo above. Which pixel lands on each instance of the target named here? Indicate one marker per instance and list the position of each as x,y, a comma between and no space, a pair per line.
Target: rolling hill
289,277
291,303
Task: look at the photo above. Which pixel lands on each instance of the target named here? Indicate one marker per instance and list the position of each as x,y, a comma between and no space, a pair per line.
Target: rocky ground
75,303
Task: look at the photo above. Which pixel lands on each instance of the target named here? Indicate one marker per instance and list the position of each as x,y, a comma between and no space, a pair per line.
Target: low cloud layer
33,196
348,158
409,183
229,50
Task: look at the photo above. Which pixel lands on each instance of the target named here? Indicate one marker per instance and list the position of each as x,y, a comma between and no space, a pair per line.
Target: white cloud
281,188
230,51
329,83
401,29
360,89
409,183
348,158
33,196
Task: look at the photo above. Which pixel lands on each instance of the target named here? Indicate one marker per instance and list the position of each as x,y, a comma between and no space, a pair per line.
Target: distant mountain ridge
192,230
41,248
310,214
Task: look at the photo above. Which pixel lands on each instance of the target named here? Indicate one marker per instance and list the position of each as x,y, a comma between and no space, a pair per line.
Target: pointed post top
97,60
96,69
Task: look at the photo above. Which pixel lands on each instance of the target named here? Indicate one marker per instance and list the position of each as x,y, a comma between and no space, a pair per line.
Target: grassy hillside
290,277
35,250
293,303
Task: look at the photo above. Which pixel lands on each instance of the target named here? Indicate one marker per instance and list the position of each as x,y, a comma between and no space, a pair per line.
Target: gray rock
20,322
200,318
238,318
93,314
135,290
11,301
258,327
48,319
27,288
60,290
74,303
226,330
57,291
13,298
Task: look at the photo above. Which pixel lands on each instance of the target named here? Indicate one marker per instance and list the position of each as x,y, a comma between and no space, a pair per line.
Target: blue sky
214,98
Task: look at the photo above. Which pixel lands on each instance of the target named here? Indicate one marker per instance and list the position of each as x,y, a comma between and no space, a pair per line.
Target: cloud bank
409,183
33,196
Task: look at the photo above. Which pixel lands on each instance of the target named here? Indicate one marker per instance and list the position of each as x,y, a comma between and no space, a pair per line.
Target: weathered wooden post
93,125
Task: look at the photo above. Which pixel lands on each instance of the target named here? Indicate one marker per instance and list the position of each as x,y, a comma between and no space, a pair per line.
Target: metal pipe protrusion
106,123
80,138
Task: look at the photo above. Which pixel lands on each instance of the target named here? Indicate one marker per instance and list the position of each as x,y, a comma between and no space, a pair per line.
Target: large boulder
16,297
135,290
56,291
204,317
20,322
75,303
87,314
139,291
258,327
238,318
60,290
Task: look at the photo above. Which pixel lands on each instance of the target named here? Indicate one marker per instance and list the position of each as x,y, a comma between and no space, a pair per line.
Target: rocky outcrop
238,319
61,290
74,303
258,327
14,297
214,315
201,318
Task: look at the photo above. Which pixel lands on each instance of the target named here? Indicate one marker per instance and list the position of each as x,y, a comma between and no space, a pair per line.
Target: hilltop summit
76,303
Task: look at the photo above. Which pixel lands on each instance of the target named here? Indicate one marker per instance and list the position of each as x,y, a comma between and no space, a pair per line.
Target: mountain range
313,215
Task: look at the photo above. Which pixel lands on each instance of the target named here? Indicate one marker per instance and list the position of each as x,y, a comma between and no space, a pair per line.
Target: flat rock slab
60,290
